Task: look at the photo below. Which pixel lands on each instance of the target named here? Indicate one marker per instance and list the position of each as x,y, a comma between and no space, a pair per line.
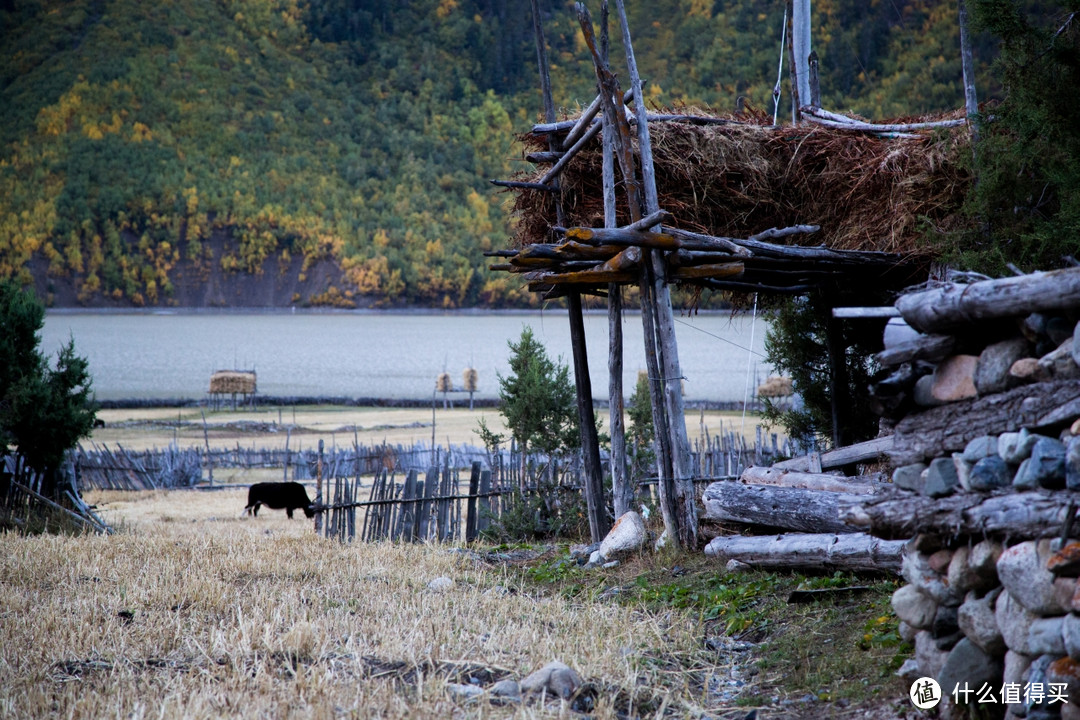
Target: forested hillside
146,148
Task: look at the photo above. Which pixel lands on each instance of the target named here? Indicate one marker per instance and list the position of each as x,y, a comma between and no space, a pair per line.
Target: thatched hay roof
232,381
735,180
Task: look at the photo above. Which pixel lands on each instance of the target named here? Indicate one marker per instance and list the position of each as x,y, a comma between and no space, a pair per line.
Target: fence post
318,490
474,486
483,522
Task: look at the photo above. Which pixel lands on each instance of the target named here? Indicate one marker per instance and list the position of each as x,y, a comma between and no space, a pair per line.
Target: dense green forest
264,136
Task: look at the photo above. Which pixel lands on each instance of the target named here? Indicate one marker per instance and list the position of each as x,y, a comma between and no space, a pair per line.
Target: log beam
853,552
779,507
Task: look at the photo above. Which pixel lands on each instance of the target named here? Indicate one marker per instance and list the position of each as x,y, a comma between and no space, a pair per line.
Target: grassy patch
839,644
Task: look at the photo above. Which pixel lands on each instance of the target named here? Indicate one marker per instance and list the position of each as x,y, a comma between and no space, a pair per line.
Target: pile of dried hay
232,381
735,180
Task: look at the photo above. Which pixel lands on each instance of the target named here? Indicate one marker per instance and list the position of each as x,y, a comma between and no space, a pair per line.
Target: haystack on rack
232,384
713,202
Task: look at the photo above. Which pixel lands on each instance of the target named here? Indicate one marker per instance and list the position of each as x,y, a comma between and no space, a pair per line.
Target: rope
779,73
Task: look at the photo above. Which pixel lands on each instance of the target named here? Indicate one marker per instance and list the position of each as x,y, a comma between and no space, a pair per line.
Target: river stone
992,369
923,394
979,448
1072,463
939,560
907,632
963,471
1066,671
1014,622
909,671
927,654
626,536
954,378
1066,561
941,478
945,624
506,689
982,560
556,678
1070,634
1059,362
1037,676
960,574
990,473
1015,672
463,691
1058,329
979,624
1045,468
914,607
440,584
1033,326
1028,370
1045,636
1022,571
1015,447
910,477
1076,344
968,663
915,567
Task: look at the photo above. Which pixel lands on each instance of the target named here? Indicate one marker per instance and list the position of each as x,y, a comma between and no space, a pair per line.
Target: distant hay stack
234,384
469,377
443,384
777,389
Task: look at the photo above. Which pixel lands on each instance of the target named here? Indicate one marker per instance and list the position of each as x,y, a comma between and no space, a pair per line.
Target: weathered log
859,452
924,347
779,507
719,270
541,157
1017,516
948,428
781,477
623,236
853,552
952,306
815,115
563,125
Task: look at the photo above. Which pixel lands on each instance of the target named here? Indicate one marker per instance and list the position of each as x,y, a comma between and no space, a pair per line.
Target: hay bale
469,377
775,387
443,384
227,382
735,180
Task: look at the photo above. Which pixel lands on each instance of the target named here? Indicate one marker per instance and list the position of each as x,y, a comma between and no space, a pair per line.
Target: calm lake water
379,354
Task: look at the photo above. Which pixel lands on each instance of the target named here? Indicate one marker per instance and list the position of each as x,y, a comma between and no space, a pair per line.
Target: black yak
277,495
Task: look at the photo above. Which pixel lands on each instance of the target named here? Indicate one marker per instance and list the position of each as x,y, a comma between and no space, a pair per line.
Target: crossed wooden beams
597,256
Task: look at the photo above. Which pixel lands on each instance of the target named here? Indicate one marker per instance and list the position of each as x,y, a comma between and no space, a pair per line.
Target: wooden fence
432,508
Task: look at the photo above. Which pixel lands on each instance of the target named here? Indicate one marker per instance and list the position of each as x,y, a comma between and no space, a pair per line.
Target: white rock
1022,571
506,689
930,659
555,678
1014,622
977,621
464,692
626,536
1045,636
440,584
914,607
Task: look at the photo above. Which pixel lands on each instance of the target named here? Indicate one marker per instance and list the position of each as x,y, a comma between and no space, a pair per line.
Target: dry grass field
190,611
141,428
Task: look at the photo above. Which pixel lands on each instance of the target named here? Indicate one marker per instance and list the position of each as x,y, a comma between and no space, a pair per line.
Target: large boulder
1022,571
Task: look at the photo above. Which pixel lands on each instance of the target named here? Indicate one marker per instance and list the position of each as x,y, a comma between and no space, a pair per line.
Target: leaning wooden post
615,116
622,491
590,445
685,533
815,80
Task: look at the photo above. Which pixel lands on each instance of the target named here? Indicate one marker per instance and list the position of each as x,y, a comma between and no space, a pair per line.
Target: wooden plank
859,452
852,552
470,520
778,477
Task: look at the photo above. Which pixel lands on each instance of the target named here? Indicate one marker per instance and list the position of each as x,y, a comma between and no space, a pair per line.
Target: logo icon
925,693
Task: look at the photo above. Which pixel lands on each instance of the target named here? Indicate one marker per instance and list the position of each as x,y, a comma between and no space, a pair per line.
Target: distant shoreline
68,310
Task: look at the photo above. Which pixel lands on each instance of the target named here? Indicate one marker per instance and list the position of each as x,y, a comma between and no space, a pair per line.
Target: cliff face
205,283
